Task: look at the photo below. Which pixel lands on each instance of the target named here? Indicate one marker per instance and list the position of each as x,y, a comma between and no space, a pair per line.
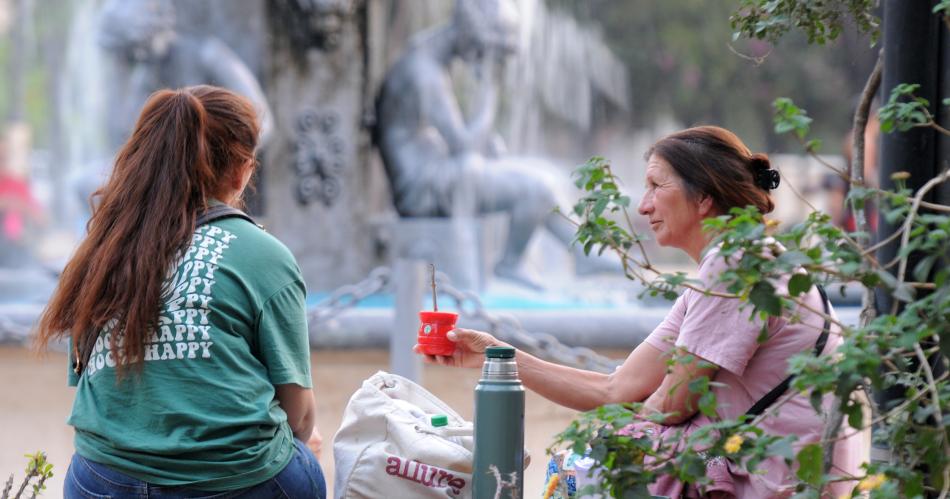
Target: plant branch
814,155
868,252
756,60
857,173
798,193
935,207
39,485
830,432
878,418
626,216
32,472
908,224
935,393
858,127
6,488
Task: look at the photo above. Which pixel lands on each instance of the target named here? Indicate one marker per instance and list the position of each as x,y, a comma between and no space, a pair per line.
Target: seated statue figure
443,163
142,36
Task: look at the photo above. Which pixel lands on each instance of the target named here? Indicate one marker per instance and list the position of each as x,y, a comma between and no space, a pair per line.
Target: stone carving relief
318,157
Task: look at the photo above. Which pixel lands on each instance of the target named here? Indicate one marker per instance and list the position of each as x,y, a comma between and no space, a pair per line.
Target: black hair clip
767,179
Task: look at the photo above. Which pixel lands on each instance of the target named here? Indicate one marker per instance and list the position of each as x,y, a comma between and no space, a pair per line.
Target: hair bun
759,162
765,176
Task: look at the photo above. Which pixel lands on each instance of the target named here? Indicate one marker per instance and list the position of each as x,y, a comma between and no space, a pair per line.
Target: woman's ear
706,206
242,176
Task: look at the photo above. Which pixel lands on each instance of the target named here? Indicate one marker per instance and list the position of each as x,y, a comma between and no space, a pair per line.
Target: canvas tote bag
387,447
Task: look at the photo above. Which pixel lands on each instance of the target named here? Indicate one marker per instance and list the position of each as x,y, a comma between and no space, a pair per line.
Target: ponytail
142,219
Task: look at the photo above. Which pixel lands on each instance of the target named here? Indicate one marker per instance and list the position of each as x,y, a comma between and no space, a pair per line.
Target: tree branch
908,224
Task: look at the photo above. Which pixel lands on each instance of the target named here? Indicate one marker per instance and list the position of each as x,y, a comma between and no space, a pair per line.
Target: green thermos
499,427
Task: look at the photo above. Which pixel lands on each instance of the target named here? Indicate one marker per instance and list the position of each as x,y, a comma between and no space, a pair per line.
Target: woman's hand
470,348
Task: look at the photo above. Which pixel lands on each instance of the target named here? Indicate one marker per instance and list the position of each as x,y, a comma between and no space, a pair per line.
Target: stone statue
142,36
313,23
443,163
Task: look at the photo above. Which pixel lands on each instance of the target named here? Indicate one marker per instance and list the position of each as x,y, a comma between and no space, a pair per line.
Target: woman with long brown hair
187,323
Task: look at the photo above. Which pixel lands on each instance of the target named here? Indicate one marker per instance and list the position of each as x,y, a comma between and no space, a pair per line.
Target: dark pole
912,54
943,114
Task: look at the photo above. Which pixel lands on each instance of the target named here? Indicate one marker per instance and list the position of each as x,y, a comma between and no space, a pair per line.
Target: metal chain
469,305
507,328
348,296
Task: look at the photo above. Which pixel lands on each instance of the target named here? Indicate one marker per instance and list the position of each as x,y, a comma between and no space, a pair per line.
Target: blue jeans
301,478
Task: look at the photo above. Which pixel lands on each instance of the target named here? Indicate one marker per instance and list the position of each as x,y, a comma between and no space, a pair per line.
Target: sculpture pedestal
464,248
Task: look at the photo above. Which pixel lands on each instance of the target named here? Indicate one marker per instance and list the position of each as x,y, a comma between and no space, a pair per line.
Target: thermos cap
500,352
440,420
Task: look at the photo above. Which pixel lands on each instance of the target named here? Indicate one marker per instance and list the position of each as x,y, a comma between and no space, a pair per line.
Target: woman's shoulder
250,240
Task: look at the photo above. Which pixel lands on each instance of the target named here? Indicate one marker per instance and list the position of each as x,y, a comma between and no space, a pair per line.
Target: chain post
409,279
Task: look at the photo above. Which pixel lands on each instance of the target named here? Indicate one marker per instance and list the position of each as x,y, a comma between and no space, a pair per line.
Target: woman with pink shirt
691,175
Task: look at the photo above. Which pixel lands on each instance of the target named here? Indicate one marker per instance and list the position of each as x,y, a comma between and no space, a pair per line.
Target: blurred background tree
682,66
39,31
680,61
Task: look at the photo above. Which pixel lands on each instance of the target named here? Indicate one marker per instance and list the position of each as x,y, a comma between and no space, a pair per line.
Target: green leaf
904,293
855,415
799,284
764,298
904,110
887,278
782,447
922,269
790,118
793,258
763,333
810,464
707,404
599,206
699,385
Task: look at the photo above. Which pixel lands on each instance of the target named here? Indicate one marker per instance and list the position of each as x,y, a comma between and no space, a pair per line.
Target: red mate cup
432,332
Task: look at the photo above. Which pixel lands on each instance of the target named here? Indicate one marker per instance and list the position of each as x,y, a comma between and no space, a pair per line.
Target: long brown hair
713,161
187,146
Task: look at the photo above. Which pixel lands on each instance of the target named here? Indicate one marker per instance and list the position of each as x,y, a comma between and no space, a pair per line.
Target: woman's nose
646,205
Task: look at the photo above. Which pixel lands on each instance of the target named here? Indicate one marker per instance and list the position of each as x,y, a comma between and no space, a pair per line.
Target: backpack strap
84,349
219,211
777,392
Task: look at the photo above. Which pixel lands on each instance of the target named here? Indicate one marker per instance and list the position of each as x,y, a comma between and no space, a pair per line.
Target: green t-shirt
203,411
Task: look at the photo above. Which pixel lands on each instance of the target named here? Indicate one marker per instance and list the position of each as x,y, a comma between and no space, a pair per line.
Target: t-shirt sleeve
714,327
664,336
284,338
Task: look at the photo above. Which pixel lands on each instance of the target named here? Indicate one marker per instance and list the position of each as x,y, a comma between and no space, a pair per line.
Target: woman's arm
634,381
673,395
300,407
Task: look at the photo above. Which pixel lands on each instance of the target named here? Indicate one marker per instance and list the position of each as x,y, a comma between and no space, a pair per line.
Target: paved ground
34,403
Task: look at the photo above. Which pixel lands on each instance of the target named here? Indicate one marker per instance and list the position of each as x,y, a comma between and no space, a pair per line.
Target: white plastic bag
386,446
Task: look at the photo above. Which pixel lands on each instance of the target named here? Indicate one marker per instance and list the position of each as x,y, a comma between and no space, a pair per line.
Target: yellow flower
844,496
900,176
733,444
871,482
552,486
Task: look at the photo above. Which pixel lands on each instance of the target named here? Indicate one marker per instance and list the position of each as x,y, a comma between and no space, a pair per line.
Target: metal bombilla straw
435,304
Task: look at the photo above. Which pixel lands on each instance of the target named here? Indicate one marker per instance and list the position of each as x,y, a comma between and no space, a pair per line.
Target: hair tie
767,179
